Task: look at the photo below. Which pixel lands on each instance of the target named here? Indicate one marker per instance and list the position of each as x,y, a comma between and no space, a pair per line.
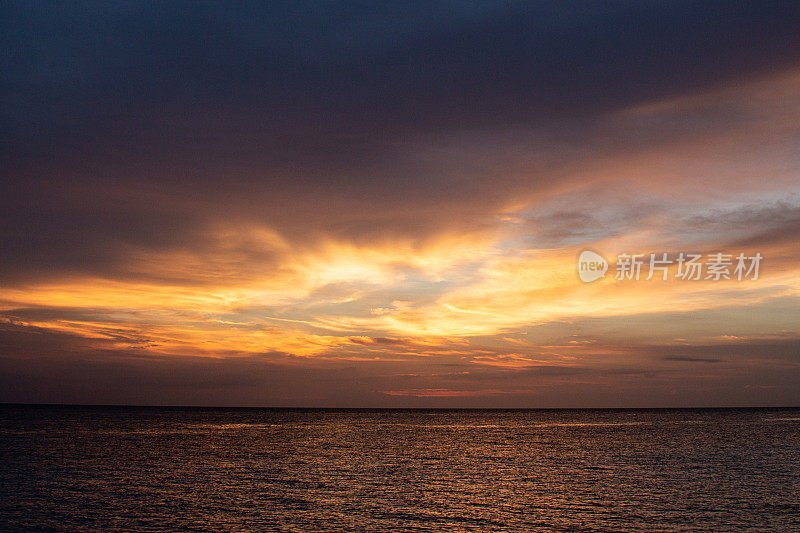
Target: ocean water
166,469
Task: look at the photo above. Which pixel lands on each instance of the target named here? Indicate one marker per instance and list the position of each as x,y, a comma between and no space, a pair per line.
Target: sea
134,469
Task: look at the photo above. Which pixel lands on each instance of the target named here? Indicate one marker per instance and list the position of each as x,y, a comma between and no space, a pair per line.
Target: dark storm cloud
131,126
403,62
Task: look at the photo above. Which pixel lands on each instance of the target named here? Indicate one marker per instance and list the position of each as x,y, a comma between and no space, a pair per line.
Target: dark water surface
157,469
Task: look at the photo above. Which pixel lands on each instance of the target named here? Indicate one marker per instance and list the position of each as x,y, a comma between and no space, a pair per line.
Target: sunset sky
346,204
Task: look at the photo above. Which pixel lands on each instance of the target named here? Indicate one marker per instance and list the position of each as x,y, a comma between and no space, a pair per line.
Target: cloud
691,359
136,130
379,191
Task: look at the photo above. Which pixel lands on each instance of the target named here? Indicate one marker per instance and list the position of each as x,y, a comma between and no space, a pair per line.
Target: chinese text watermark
682,266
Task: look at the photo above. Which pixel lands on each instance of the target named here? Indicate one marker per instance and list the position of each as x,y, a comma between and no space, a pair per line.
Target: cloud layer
312,204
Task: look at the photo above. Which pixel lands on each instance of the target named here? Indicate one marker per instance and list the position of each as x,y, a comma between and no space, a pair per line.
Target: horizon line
307,408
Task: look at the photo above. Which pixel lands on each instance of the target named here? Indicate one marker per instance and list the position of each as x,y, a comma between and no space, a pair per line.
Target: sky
382,204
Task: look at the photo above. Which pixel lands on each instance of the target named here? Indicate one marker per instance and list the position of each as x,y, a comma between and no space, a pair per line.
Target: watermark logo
689,267
686,266
591,266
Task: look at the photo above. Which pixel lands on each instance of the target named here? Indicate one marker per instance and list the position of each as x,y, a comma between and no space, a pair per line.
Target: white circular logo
591,266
